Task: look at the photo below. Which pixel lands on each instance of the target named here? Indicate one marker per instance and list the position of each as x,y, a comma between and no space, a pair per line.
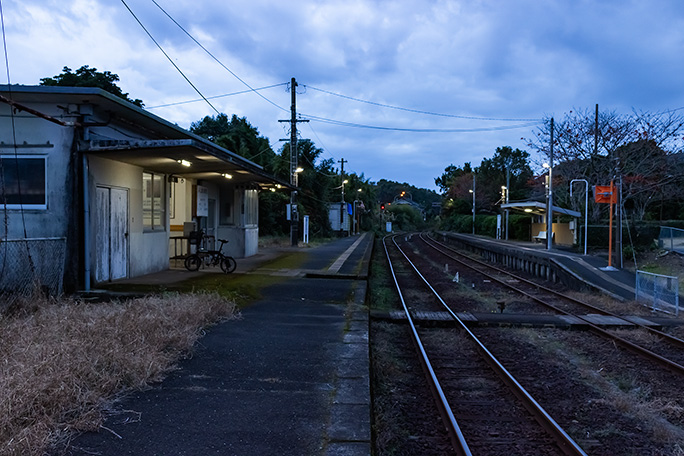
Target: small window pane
154,206
24,181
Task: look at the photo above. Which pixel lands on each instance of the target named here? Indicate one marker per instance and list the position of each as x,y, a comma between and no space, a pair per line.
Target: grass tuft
63,360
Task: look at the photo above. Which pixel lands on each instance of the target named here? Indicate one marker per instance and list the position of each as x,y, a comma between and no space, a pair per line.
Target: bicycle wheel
228,264
193,262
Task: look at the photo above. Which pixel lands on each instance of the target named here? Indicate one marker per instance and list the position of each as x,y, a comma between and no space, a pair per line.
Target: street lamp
296,176
345,181
549,208
586,207
473,192
355,215
504,200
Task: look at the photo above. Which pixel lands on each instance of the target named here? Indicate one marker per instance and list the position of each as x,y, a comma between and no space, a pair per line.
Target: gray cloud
487,58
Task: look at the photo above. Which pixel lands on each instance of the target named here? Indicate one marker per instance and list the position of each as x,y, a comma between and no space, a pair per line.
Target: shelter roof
538,208
159,145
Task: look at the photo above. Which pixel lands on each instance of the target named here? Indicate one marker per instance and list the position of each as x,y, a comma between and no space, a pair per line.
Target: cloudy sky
489,68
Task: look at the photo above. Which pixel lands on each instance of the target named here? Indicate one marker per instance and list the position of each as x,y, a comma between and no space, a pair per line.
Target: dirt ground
661,262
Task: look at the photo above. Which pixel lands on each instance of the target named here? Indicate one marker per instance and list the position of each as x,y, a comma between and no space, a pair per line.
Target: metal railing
661,292
671,239
28,265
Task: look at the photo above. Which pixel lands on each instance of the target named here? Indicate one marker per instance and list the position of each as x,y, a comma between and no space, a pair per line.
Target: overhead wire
16,163
320,141
422,130
213,57
217,96
169,58
417,111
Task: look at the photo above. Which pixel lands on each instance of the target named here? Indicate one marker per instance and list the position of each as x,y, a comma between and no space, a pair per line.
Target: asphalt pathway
289,378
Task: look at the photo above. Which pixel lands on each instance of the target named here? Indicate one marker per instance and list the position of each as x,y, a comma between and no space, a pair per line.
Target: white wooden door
111,249
118,235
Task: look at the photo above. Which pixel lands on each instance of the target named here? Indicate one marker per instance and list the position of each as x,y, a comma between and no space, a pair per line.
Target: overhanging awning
150,142
538,208
204,161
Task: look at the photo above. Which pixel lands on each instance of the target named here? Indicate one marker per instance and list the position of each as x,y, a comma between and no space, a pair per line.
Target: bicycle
211,258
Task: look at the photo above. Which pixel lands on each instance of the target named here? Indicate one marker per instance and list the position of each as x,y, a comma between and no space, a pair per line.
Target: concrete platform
291,377
571,268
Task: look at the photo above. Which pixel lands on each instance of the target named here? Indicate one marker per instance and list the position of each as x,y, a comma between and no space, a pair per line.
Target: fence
661,292
30,264
671,239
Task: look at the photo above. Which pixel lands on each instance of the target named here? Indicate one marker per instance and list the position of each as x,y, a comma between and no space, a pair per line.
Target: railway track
669,349
484,408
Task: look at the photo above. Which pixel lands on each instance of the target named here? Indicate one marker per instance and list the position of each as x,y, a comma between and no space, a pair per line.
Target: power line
422,130
321,142
417,111
217,96
169,58
16,165
213,57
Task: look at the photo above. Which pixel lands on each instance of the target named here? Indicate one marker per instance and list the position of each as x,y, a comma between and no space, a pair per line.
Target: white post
586,208
306,229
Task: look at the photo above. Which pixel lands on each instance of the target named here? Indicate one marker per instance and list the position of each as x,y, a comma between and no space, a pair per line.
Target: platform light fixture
184,163
227,176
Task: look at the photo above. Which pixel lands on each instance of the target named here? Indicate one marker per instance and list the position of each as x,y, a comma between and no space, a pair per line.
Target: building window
24,183
250,208
153,201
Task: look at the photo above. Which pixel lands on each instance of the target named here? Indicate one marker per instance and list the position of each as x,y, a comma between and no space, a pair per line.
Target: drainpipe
86,217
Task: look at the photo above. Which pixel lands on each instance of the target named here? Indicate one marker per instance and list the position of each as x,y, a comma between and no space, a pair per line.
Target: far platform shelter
565,233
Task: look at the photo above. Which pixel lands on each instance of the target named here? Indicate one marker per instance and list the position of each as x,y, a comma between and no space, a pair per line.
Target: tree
451,172
237,135
638,147
492,173
89,77
388,190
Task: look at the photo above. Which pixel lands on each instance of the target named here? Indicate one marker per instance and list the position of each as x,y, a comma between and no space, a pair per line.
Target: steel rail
565,442
673,340
454,431
648,354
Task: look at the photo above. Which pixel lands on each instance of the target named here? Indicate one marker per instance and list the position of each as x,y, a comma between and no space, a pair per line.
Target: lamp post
549,201
473,192
549,208
586,207
504,200
355,215
296,176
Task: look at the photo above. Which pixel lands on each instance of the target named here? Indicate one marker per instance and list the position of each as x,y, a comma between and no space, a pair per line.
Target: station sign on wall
202,201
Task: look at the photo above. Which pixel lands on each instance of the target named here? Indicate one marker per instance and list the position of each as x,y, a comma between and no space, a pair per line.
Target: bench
542,236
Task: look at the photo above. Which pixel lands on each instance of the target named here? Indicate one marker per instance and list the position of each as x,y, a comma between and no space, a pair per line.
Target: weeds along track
485,410
660,348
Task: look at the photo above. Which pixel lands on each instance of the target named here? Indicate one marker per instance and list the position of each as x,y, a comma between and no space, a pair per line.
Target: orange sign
605,194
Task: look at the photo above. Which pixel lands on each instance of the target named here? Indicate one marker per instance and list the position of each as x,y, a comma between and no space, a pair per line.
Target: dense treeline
319,183
643,151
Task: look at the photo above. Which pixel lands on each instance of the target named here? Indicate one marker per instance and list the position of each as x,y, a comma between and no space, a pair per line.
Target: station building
96,189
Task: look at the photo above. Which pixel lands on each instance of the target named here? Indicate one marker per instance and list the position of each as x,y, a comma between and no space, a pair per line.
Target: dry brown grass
61,361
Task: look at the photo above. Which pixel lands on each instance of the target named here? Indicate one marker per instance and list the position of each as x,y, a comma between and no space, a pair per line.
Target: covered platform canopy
173,151
538,208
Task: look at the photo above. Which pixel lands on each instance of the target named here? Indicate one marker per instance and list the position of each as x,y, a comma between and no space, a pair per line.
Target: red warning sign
605,194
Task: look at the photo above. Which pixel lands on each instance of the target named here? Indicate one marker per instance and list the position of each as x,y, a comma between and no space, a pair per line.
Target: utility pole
342,162
343,206
294,214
